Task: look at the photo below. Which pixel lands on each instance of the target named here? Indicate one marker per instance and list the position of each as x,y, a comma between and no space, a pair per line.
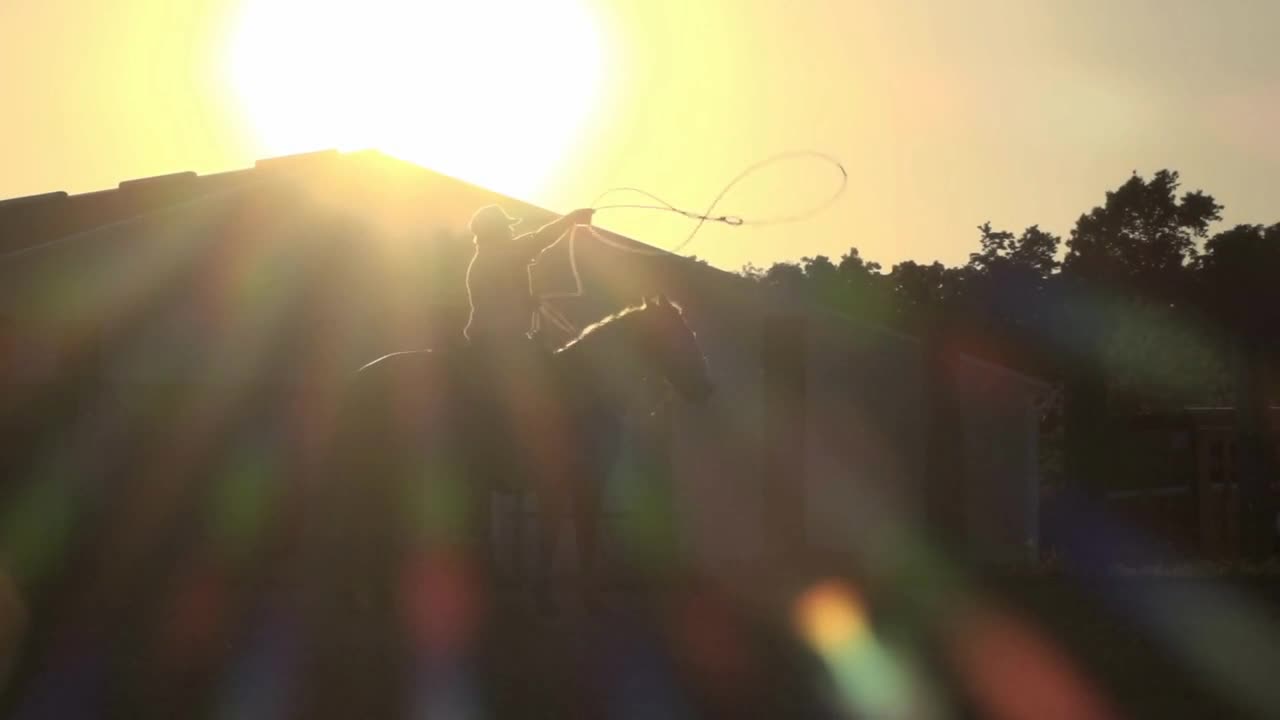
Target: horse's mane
608,322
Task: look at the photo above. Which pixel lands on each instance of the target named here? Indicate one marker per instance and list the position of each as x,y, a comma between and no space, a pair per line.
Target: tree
785,275
924,294
1132,250
751,271
853,267
1240,280
1005,296
853,287
819,269
1034,252
1142,236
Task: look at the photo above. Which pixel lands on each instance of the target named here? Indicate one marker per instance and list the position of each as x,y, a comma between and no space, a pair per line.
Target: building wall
870,435
867,433
1001,458
717,448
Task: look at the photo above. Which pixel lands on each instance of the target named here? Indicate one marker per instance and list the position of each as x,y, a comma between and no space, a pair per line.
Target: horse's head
675,349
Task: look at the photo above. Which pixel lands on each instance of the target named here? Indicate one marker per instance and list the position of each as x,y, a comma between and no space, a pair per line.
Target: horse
455,425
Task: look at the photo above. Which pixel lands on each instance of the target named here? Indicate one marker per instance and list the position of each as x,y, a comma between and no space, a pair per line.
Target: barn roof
34,220
398,195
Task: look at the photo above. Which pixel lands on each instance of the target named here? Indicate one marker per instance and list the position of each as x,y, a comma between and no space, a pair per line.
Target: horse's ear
661,299
644,302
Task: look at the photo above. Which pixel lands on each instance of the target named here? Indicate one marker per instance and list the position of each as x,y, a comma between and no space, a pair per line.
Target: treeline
1139,308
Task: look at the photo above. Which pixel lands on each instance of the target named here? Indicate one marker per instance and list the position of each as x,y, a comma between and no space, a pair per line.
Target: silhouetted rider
502,306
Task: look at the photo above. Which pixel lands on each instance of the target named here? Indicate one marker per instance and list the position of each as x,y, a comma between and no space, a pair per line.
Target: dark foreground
1033,647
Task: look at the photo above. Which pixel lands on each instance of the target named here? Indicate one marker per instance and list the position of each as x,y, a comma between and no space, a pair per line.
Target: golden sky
946,114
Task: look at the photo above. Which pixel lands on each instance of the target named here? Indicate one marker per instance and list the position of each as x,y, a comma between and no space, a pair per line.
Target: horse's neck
608,359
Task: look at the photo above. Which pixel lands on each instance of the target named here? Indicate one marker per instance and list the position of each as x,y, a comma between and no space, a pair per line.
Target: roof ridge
184,175
296,159
14,255
33,199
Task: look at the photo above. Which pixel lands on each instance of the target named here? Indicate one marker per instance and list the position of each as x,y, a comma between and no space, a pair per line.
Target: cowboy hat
491,216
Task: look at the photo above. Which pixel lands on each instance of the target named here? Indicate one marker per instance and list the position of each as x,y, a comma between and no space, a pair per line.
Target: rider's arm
544,237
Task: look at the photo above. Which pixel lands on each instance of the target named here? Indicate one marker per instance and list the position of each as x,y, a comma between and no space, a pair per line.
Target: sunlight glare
490,91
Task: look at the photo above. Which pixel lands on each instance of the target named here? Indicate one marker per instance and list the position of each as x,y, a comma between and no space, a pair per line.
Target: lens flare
831,617
1015,673
872,678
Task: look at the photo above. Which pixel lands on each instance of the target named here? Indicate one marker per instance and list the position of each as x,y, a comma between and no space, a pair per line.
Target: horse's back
400,441
391,404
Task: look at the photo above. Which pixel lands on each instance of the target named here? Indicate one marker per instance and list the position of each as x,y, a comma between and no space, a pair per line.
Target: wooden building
1187,498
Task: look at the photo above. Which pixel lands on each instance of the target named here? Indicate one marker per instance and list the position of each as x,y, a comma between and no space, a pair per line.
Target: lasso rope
704,217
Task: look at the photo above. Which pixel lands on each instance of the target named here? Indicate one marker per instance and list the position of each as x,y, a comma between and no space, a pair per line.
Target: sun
494,92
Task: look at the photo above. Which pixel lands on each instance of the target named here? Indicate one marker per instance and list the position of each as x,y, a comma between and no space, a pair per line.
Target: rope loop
706,216
660,205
